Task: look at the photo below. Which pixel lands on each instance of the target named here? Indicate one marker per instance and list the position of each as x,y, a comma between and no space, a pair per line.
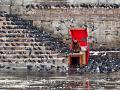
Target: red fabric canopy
80,35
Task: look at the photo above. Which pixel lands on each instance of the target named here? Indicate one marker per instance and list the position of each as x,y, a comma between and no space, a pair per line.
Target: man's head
75,40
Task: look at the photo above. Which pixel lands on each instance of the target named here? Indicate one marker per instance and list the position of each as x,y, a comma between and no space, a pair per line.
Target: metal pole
10,11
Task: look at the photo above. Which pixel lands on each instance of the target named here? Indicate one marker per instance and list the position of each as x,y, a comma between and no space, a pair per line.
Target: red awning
80,35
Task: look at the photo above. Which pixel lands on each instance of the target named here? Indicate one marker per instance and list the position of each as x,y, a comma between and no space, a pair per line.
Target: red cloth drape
80,35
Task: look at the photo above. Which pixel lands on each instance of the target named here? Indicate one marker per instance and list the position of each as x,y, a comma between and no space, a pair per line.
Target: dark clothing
76,47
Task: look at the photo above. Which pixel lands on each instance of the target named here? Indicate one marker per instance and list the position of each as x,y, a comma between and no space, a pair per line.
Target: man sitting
75,46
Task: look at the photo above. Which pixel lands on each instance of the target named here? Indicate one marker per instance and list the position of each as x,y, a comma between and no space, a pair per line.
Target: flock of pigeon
64,5
97,64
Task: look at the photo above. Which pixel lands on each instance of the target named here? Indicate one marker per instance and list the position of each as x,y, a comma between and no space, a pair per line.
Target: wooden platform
79,59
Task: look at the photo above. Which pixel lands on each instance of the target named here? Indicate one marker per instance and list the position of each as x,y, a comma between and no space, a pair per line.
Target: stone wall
103,24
